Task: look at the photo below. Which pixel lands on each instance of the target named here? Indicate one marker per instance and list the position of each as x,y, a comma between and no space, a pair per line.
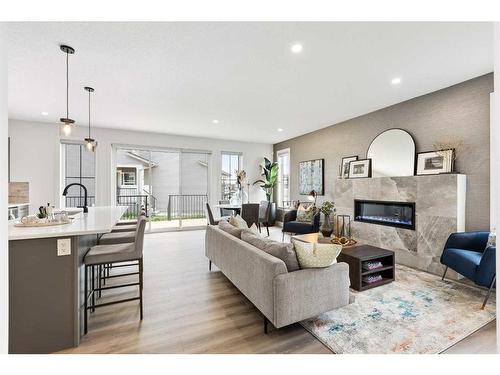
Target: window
231,163
128,176
78,166
284,178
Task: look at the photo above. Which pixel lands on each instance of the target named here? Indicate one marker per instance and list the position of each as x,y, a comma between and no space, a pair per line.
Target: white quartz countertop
97,220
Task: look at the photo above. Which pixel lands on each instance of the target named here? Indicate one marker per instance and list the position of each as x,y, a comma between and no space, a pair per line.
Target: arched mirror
393,154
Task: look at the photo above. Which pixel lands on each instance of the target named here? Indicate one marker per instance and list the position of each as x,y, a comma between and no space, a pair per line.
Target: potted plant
327,209
269,172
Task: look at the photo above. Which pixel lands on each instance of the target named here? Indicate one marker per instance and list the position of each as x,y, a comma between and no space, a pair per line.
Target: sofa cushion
238,222
229,228
465,262
316,255
283,251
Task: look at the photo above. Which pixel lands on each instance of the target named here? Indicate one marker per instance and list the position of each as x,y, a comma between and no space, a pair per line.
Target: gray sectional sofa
283,297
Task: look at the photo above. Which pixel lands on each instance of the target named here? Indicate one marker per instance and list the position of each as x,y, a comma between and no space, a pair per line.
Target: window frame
91,199
232,180
280,185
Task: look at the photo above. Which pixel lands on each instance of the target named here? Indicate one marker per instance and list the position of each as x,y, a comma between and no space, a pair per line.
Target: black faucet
65,192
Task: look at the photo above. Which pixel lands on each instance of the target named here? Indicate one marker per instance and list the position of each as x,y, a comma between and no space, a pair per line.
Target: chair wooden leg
209,265
265,325
141,278
267,228
86,298
258,225
489,293
444,274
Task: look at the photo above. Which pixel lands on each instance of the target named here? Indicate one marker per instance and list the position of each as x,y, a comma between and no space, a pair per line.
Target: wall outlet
63,247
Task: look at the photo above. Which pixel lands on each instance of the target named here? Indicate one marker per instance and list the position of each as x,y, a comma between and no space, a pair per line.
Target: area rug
417,313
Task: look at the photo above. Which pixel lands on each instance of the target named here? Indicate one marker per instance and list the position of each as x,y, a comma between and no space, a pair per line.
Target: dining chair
225,212
210,216
250,213
264,208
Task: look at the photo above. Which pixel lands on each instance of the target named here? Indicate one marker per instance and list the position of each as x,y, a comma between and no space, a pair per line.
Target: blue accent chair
466,253
291,225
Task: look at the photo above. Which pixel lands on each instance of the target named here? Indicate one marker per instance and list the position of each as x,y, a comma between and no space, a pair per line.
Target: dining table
235,208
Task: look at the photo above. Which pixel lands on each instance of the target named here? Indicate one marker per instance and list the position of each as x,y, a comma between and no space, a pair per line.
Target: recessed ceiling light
215,121
45,113
297,48
280,130
396,81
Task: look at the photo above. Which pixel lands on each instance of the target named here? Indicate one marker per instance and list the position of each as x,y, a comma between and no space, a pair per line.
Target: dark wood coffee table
355,256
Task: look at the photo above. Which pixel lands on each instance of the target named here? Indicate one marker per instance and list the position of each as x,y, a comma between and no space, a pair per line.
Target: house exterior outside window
284,178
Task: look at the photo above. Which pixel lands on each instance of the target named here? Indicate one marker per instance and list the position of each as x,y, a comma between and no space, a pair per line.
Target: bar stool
124,228
118,255
117,238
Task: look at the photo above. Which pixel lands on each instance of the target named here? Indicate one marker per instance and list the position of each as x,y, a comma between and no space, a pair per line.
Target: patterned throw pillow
238,222
316,255
305,215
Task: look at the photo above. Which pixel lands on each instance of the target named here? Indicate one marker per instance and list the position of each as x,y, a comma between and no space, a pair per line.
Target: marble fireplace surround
439,210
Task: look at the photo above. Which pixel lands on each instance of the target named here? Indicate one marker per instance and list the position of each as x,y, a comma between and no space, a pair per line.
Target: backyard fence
77,201
136,205
190,206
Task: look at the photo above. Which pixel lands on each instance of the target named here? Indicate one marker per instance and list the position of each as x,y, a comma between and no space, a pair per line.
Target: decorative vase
326,227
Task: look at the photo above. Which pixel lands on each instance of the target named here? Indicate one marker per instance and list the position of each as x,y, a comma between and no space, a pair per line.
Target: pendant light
67,123
90,143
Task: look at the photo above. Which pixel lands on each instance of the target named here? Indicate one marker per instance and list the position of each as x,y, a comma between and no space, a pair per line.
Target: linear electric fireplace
394,214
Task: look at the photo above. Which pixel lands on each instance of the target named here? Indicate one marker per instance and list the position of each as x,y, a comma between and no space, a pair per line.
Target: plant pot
272,214
326,227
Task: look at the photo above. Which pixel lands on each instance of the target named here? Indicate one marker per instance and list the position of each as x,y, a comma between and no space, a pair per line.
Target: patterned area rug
417,313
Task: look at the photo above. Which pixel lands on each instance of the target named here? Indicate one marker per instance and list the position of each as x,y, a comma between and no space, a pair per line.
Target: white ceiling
178,77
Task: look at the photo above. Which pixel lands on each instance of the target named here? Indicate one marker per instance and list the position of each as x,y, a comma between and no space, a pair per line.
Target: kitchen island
46,280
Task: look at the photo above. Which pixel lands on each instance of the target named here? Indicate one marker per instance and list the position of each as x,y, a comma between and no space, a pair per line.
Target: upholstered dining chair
223,211
264,208
250,213
210,216
468,254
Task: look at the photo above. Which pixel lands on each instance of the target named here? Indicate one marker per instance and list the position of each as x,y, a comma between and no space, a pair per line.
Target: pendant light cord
89,114
67,85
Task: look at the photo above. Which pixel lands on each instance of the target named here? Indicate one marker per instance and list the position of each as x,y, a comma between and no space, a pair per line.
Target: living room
266,188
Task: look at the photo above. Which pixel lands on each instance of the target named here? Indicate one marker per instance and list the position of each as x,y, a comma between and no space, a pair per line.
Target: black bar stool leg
93,287
85,303
100,280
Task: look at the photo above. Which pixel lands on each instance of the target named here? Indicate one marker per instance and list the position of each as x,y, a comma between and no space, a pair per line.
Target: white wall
495,129
4,281
35,157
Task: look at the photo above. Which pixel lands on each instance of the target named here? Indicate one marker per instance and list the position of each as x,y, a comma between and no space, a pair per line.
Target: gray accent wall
460,112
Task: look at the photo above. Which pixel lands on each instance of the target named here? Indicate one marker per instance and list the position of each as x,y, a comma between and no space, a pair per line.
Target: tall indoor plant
269,172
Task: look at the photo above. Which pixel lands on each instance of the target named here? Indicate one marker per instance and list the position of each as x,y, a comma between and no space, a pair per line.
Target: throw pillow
229,228
254,229
492,239
283,251
316,255
238,222
305,215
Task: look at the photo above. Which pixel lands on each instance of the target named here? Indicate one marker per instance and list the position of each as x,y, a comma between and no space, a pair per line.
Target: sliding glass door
170,186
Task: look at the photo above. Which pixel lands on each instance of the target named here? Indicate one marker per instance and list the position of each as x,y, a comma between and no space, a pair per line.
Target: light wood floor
190,310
